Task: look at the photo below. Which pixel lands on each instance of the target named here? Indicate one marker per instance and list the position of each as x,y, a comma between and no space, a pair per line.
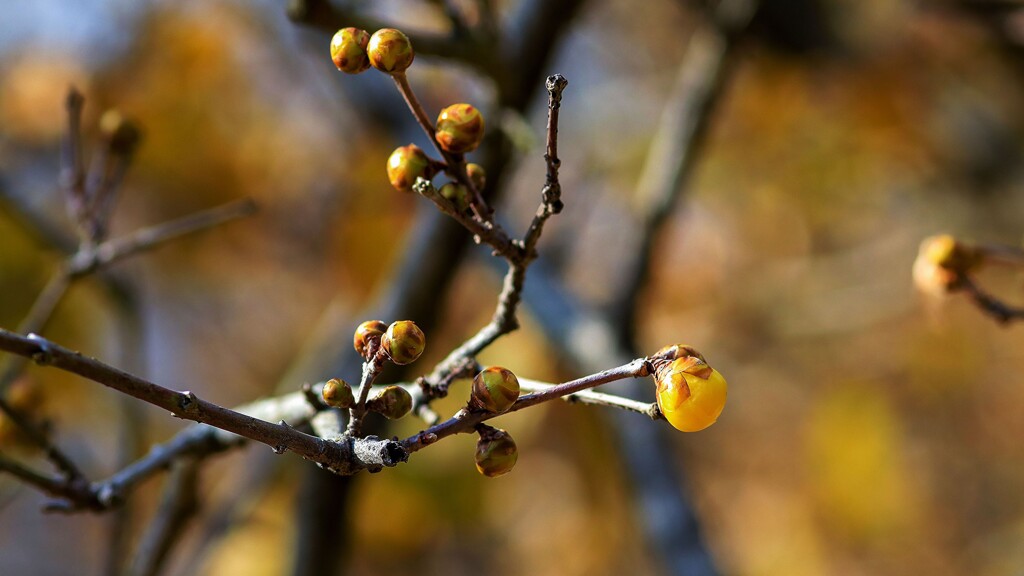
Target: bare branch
466,421
599,399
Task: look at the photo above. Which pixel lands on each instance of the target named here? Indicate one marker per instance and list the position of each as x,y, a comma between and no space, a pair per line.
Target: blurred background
868,430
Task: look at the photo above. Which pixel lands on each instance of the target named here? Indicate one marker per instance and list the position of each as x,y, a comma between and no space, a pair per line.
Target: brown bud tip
405,165
393,402
404,341
496,453
460,128
495,389
338,393
348,50
390,50
457,194
366,335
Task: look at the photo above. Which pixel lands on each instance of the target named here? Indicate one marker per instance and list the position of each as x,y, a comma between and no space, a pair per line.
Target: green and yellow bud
457,194
404,342
390,50
496,453
348,50
392,402
367,334
460,128
495,389
405,165
477,175
338,394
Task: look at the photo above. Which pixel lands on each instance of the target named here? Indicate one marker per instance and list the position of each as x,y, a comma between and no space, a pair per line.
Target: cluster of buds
459,128
690,393
402,342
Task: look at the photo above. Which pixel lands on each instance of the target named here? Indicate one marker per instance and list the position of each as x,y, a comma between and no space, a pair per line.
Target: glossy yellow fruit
690,393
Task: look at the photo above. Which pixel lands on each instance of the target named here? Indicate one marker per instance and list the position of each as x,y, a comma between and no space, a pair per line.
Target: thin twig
371,369
178,505
342,458
994,307
599,399
57,487
466,421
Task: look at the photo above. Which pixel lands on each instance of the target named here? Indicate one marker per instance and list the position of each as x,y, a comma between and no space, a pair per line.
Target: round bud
390,50
338,394
393,402
477,175
495,389
405,165
941,264
496,453
691,394
366,334
404,341
348,50
460,128
457,194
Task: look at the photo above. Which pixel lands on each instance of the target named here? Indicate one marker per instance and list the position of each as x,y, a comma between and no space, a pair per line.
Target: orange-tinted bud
460,128
390,50
348,50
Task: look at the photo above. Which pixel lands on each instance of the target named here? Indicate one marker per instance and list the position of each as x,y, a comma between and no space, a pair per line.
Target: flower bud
404,342
390,50
941,263
460,128
338,394
690,393
366,334
495,389
405,165
496,453
393,402
348,50
477,175
457,194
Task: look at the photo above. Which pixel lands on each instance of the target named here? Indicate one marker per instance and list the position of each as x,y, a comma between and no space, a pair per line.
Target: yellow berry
348,50
405,165
366,334
390,50
460,128
404,341
690,394
496,453
338,393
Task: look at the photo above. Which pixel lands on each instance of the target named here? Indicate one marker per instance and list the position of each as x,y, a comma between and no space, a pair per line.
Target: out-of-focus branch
178,505
700,81
465,421
599,399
